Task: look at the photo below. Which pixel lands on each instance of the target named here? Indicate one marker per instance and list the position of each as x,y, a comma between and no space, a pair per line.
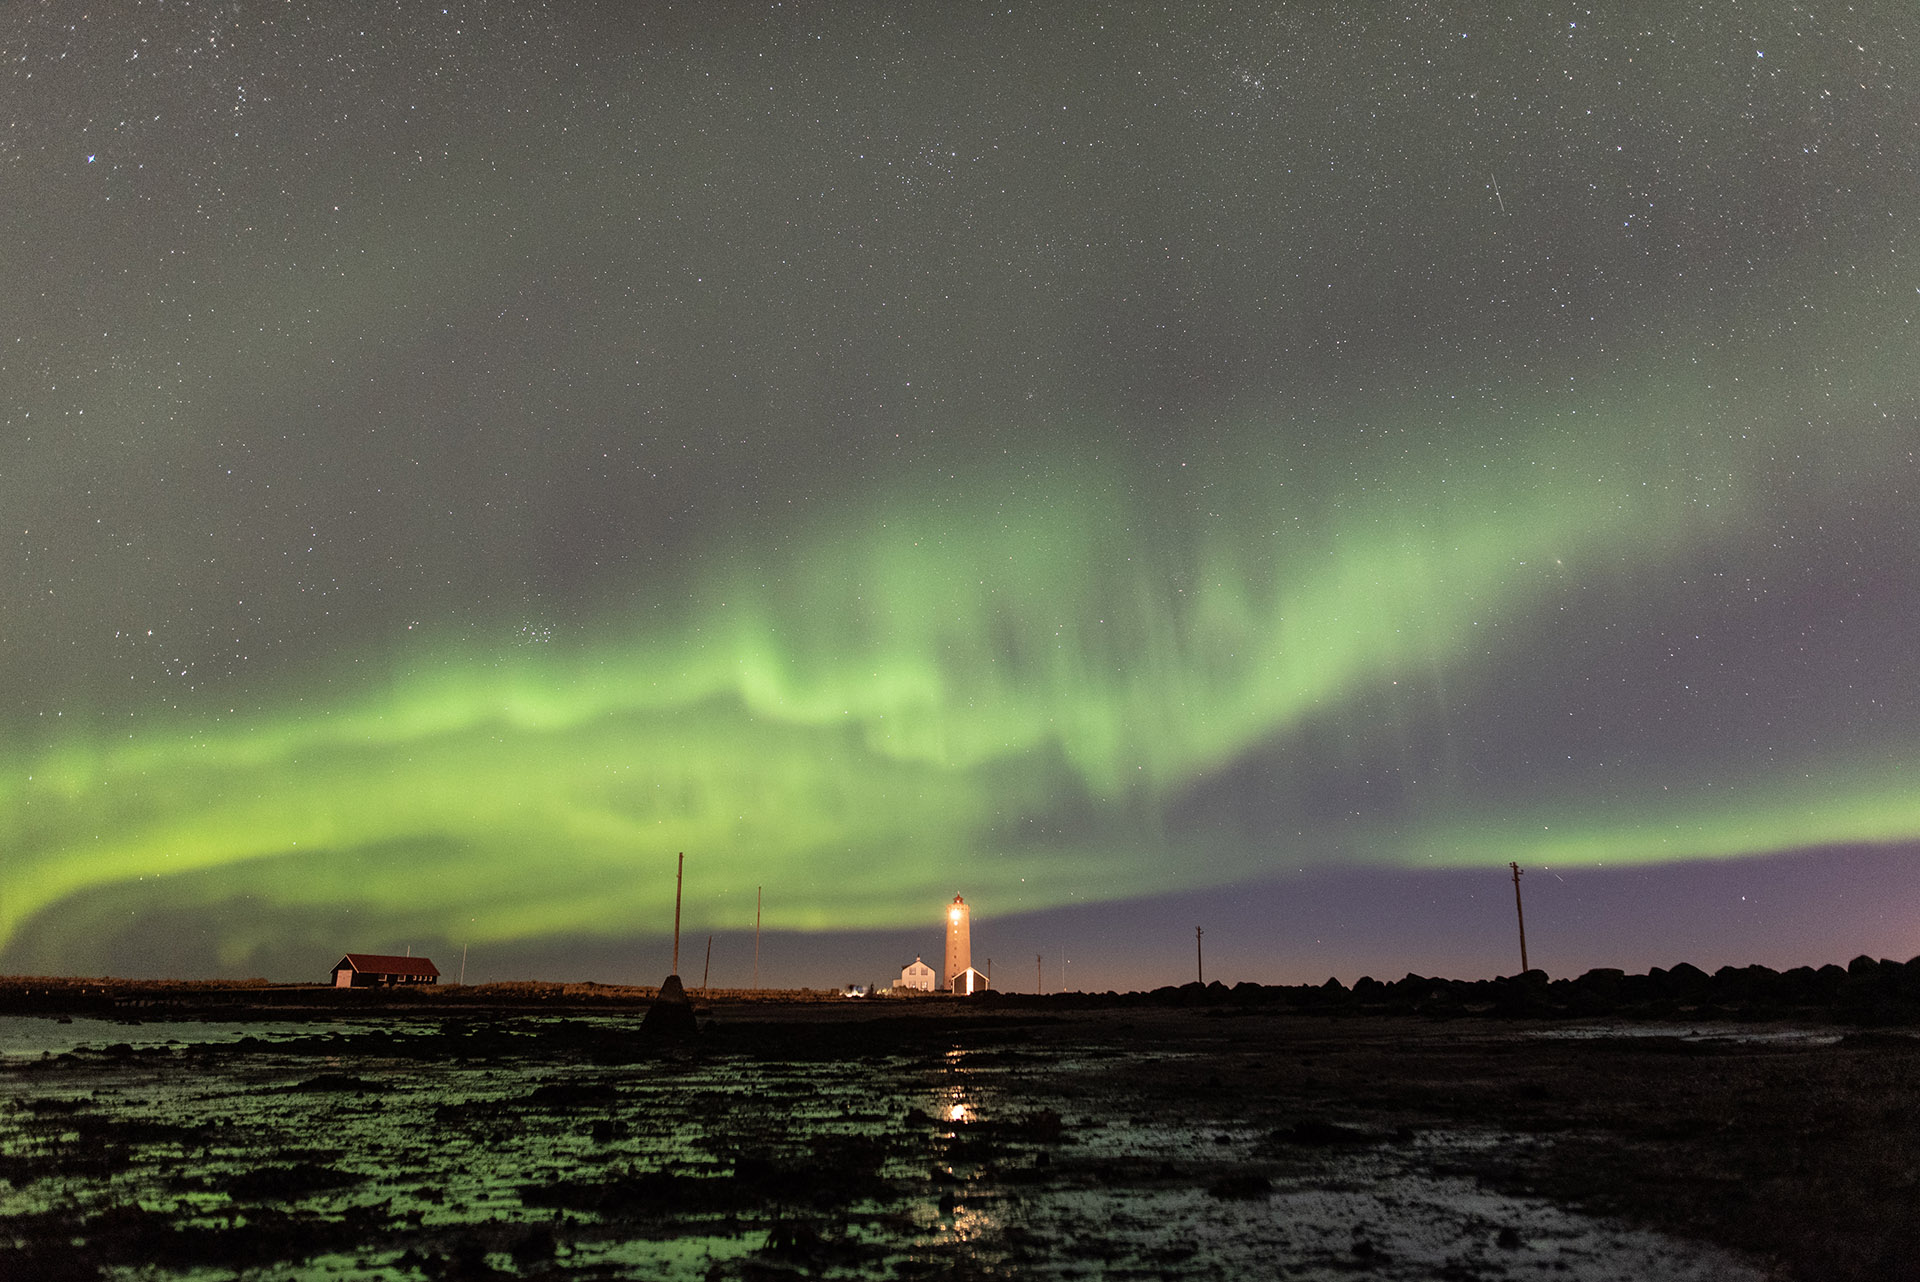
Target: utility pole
708,972
1521,915
1039,984
678,876
1199,957
672,1011
756,939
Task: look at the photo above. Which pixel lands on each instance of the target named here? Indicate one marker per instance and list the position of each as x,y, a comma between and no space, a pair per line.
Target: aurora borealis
457,457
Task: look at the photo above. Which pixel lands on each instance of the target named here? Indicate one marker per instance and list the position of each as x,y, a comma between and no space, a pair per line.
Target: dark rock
1747,984
341,1083
631,1192
1635,989
572,1095
466,1261
1685,982
1245,1187
1043,1126
671,1014
1603,982
287,1183
46,1263
1801,987
1314,1133
1523,996
538,1244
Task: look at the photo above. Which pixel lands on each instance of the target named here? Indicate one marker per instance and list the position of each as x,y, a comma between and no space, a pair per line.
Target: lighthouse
959,942
961,978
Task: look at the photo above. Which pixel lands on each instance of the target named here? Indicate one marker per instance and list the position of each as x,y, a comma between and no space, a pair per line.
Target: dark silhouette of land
1866,992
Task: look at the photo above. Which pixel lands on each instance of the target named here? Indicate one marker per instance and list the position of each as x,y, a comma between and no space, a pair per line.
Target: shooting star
1496,192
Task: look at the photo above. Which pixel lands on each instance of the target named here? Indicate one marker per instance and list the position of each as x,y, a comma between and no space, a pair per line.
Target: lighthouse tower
959,942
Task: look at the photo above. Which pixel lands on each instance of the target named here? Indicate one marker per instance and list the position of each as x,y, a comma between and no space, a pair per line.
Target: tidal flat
941,1139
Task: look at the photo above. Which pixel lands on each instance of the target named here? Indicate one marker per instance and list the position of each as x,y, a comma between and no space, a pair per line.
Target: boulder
672,1011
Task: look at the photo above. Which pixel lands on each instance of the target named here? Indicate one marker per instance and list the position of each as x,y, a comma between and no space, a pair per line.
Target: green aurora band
1009,671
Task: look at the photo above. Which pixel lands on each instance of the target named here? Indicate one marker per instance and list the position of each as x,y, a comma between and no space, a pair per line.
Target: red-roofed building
373,970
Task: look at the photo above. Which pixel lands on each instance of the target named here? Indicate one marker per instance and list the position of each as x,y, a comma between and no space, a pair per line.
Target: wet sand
938,1139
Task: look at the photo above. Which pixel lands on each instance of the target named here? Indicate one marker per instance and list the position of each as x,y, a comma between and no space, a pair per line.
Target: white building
918,976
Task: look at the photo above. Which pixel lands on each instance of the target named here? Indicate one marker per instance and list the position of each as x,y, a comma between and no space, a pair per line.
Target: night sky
1256,467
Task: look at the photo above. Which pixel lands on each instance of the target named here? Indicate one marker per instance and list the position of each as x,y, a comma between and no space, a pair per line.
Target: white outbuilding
968,982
